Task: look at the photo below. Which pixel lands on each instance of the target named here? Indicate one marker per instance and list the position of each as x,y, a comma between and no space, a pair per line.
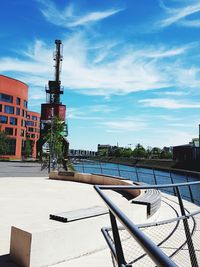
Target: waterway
149,176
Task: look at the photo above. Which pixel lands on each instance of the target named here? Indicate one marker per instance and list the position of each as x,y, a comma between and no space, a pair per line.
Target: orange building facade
33,129
15,117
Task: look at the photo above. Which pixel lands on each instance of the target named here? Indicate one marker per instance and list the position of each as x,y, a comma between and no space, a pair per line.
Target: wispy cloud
69,17
91,112
181,15
123,125
174,93
167,103
119,71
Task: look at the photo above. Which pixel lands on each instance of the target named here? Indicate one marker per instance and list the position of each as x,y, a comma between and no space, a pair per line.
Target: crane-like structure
53,106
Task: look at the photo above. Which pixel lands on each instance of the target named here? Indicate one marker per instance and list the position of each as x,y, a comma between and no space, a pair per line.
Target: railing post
172,181
136,174
119,173
101,167
154,175
118,246
191,249
83,167
190,190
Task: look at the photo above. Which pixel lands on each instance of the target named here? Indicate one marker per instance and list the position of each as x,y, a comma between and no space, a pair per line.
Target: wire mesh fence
168,235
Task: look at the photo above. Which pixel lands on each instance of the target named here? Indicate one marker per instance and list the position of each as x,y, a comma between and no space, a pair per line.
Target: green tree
139,152
28,148
55,139
3,143
166,155
118,152
155,152
127,152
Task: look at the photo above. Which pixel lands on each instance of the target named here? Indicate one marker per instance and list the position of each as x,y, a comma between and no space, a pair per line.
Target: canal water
149,176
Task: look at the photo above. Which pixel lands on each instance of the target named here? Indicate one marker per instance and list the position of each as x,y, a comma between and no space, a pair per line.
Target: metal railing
149,176
151,249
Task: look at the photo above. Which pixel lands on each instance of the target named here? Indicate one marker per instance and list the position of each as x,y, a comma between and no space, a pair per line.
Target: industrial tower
53,106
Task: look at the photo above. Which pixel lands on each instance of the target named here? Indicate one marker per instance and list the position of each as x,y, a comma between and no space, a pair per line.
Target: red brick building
15,118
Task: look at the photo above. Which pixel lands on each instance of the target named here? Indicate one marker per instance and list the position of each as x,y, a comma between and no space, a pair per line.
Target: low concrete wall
95,180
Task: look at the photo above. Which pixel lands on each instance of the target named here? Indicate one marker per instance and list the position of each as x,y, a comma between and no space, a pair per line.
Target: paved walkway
27,203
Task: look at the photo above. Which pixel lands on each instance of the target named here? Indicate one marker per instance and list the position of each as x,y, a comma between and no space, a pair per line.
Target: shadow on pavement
5,261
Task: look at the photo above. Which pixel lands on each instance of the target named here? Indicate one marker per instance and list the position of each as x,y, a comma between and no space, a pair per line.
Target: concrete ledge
20,246
94,179
41,248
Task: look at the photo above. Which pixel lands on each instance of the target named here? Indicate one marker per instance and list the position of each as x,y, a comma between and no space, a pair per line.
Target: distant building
15,119
188,152
106,150
82,153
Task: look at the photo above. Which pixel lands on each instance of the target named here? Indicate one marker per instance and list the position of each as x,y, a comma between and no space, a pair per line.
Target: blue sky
131,70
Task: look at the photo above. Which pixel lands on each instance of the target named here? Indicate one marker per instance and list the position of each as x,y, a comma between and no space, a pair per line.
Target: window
25,104
11,146
22,133
6,98
9,131
13,121
23,123
29,123
17,111
32,135
15,132
34,118
0,107
9,109
18,101
30,129
3,119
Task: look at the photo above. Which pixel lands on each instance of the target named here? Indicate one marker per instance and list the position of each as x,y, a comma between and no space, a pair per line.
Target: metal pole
172,181
154,175
117,241
191,249
190,190
136,174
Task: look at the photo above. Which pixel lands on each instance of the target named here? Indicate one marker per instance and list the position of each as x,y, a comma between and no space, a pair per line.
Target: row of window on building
18,112
13,132
13,121
9,99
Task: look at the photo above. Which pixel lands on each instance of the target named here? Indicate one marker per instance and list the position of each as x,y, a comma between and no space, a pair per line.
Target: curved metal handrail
149,247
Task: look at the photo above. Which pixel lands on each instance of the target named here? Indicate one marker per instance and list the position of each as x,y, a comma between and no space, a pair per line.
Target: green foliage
103,152
166,155
28,148
54,137
139,152
3,143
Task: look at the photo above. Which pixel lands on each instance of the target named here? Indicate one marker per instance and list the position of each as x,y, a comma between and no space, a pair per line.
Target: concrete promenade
26,203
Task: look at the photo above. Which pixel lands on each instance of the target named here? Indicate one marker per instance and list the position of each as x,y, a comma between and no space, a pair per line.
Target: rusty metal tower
53,106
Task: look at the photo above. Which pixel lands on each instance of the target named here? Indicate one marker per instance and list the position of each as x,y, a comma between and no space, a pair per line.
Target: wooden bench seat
79,214
151,198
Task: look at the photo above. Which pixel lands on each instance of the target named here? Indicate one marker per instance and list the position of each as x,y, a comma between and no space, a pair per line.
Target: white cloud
180,15
174,93
162,52
68,17
119,71
167,103
92,112
123,125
